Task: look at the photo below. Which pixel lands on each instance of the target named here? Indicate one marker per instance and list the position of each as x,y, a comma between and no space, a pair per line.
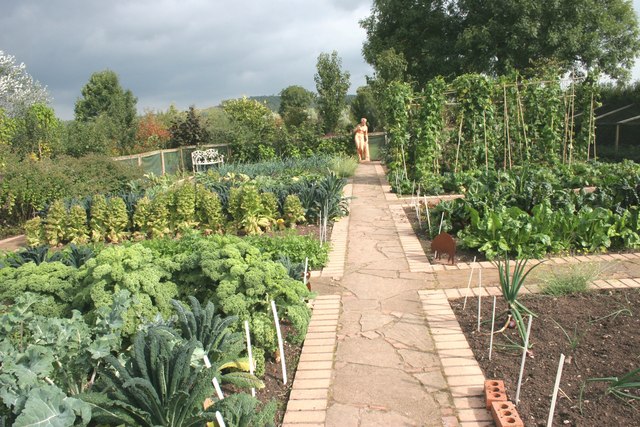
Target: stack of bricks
307,405
503,411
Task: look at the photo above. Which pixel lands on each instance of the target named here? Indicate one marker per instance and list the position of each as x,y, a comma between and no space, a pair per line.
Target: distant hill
271,101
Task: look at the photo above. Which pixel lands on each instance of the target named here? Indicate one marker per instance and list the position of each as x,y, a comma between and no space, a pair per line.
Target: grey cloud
184,52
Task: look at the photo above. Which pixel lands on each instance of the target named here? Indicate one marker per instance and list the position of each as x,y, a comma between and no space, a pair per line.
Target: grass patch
571,279
343,166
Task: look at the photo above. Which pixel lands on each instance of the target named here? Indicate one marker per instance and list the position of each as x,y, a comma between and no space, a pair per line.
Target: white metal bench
202,159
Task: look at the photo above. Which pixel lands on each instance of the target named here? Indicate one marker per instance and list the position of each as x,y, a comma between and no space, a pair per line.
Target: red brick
505,414
494,391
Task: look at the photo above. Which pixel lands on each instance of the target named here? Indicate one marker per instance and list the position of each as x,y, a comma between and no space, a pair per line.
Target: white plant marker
435,254
219,419
426,206
207,362
479,296
280,344
473,267
524,358
216,386
250,353
493,323
416,206
556,387
306,268
441,221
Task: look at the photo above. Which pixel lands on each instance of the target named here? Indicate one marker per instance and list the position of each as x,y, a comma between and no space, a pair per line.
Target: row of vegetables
534,211
130,322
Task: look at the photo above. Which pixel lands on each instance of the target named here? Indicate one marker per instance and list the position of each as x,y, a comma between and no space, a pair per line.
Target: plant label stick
473,267
250,353
280,344
479,296
216,386
426,206
207,362
306,268
524,358
493,323
435,254
219,419
556,387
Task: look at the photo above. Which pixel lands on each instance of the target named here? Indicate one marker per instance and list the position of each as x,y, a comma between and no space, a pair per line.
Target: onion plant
510,285
621,387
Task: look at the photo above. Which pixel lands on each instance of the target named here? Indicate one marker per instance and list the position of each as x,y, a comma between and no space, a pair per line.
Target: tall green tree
295,102
254,129
189,130
364,105
332,85
103,97
453,37
37,132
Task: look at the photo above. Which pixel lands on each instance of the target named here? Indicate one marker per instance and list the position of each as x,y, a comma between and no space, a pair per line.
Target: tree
295,102
18,90
254,129
390,67
152,134
424,32
453,37
364,105
188,130
37,132
332,85
103,96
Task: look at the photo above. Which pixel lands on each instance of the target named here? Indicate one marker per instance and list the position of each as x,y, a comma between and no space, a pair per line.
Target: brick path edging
307,405
461,370
338,253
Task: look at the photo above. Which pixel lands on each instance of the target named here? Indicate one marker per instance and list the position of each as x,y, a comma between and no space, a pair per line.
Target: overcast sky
187,52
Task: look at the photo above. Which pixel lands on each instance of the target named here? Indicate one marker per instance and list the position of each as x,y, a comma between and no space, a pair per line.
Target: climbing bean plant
475,116
396,104
478,122
431,128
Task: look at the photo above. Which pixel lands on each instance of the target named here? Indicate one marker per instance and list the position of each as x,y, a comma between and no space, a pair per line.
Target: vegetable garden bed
596,331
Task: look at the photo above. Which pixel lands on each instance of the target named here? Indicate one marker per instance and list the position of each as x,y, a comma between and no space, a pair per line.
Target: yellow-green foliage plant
158,223
293,211
54,224
184,203
117,220
141,218
270,208
98,221
246,210
77,230
33,230
208,210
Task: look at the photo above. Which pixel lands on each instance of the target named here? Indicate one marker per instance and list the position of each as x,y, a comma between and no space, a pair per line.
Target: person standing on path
362,140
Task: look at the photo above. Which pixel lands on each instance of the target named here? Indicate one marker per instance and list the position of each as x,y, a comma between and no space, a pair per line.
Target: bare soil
274,387
600,339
